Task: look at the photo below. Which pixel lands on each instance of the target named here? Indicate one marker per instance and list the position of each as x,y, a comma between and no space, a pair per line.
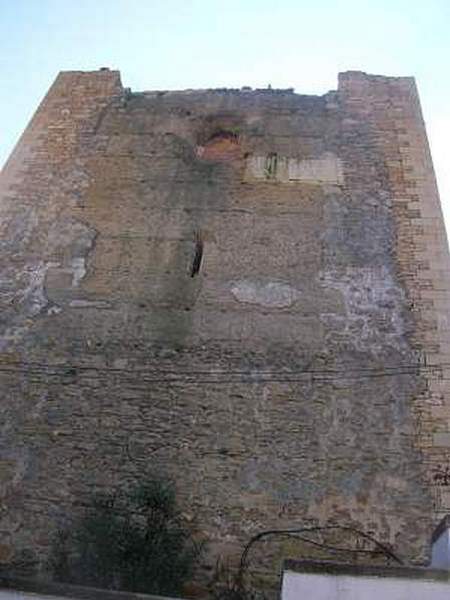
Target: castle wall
246,290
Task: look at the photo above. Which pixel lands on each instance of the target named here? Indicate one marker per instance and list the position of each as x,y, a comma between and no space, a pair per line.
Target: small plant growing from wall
132,539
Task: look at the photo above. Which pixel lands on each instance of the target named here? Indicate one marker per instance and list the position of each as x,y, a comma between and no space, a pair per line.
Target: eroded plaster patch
74,240
80,303
22,297
78,268
327,169
18,229
374,306
23,284
270,294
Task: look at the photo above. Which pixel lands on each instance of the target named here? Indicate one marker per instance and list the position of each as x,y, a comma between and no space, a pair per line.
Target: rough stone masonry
246,290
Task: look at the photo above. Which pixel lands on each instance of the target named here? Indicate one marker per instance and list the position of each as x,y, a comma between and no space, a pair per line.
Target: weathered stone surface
325,169
288,379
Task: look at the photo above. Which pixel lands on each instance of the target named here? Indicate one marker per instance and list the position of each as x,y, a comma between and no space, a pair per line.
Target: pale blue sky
175,44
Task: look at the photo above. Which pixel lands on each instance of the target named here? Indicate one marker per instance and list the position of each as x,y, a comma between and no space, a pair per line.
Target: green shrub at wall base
132,540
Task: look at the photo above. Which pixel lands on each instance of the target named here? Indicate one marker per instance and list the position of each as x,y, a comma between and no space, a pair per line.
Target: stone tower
245,290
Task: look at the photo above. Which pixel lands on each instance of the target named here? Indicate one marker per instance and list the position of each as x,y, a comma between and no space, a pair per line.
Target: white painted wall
16,595
309,586
440,551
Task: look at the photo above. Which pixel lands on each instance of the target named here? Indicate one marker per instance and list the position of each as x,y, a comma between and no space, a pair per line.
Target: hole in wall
224,134
270,166
222,145
198,255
